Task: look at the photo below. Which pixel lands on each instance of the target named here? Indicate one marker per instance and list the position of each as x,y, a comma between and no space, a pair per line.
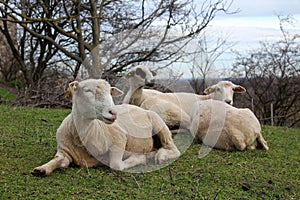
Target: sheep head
140,76
92,99
224,90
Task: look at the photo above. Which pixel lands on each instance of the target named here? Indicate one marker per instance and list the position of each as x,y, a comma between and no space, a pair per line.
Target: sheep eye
140,72
88,90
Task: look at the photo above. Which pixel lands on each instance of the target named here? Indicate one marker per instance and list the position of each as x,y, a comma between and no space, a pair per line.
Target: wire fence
268,120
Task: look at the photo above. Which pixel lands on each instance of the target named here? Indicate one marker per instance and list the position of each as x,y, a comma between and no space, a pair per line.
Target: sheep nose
113,114
228,101
150,83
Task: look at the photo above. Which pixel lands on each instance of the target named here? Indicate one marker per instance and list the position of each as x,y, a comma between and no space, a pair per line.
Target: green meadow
27,140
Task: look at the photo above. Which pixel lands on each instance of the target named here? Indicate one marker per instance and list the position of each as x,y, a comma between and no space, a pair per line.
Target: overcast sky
265,7
258,15
256,21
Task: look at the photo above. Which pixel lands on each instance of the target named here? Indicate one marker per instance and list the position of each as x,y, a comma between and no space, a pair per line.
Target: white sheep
98,132
173,108
222,126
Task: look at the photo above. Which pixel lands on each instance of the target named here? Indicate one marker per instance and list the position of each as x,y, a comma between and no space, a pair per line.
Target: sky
256,21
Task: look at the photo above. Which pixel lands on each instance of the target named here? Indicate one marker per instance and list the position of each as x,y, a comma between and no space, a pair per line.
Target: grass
27,139
6,95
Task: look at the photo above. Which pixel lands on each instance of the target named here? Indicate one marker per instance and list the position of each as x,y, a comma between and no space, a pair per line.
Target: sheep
173,108
222,126
97,132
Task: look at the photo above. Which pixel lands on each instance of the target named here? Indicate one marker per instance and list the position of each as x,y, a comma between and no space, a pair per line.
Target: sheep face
141,76
223,91
93,99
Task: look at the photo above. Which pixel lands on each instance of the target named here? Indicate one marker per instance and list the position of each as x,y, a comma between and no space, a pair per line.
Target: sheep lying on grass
222,126
94,134
173,108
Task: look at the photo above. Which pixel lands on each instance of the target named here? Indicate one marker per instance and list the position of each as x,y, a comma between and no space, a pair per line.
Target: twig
136,182
171,177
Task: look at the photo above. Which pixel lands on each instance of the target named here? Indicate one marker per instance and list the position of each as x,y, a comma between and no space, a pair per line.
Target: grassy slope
27,139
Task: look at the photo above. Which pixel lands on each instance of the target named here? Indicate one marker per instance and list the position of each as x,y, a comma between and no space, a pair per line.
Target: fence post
252,104
272,120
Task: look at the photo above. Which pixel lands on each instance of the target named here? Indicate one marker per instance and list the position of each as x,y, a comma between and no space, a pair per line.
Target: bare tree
207,51
272,75
34,54
8,64
106,36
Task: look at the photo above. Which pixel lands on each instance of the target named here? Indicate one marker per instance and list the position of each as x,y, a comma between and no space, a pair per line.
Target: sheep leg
239,142
116,162
134,160
179,131
59,161
261,143
167,152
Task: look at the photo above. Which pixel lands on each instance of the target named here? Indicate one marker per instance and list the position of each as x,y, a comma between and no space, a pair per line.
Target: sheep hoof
252,147
39,172
160,157
266,148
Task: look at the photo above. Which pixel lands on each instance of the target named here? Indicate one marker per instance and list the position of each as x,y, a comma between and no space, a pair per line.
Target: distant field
27,139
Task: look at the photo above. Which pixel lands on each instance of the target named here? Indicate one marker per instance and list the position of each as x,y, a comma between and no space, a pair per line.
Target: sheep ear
153,73
209,90
68,93
115,92
239,89
73,85
130,74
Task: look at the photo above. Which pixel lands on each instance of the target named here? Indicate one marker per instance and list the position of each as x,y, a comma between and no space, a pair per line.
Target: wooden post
252,105
272,120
